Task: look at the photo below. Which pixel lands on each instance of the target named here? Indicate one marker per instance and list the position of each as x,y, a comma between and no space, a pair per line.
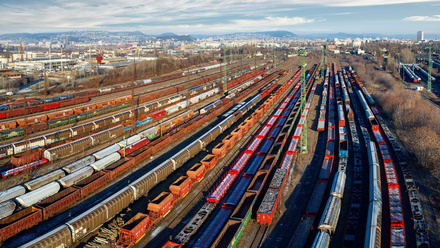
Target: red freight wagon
117,169
81,99
67,103
209,161
51,106
158,114
196,173
268,207
92,183
220,150
19,221
22,159
59,202
35,109
133,230
133,147
14,112
160,206
23,100
171,244
229,140
180,187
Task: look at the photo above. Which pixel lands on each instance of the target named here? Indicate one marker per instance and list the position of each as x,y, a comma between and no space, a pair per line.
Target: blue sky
219,17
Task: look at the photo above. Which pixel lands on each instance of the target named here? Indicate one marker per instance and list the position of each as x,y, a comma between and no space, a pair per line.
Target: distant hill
77,36
176,37
279,34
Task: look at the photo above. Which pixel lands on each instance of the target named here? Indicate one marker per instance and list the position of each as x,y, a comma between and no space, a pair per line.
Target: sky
221,16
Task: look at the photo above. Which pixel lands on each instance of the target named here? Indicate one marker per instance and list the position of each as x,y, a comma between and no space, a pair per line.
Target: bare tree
407,56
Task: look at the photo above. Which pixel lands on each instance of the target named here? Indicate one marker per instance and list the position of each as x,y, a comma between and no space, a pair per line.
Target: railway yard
287,158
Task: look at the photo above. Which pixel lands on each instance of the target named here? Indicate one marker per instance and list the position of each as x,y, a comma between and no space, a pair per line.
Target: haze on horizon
220,17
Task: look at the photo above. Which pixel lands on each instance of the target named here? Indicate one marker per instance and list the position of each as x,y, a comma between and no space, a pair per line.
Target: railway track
110,115
206,185
196,237
103,197
147,89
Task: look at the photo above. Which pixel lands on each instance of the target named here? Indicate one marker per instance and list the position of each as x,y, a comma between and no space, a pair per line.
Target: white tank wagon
70,168
106,151
39,194
12,193
45,179
130,140
106,161
7,208
75,177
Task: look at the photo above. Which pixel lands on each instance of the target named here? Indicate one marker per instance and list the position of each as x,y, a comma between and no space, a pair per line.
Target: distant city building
357,42
420,36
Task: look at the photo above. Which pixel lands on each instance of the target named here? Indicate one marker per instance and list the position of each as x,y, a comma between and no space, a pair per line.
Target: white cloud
234,15
433,18
357,3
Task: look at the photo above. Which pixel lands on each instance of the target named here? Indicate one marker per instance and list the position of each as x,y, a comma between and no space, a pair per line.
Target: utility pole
303,142
322,62
50,57
154,61
429,68
90,60
61,60
134,68
274,58
45,83
225,82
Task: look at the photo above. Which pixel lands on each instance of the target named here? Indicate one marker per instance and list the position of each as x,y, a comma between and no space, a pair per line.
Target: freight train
17,107
69,234
38,123
81,144
397,223
374,219
410,73
145,114
116,168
